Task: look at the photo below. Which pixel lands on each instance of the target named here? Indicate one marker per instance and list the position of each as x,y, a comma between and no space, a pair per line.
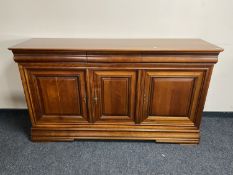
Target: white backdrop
211,20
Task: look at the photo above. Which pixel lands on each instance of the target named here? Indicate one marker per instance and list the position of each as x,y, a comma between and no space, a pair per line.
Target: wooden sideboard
137,89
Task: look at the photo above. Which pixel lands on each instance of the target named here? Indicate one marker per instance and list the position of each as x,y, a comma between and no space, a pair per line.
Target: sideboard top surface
118,45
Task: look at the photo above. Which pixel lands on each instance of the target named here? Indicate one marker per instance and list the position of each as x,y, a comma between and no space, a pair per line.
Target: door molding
166,81
118,85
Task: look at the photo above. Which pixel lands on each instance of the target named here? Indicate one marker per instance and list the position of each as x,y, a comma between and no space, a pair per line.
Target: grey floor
18,155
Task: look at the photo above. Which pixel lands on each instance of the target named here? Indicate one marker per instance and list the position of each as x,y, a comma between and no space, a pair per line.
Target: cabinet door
170,95
113,96
58,96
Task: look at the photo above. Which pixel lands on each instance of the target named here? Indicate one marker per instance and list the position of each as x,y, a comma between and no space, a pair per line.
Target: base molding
176,135
184,134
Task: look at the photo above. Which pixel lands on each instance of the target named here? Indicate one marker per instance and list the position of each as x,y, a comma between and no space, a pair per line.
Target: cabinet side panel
202,98
27,94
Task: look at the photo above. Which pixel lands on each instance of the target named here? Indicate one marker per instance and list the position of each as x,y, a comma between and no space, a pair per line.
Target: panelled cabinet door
113,95
58,96
170,95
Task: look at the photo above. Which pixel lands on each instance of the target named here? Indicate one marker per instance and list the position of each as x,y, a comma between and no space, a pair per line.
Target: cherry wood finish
58,95
114,95
171,93
129,45
137,89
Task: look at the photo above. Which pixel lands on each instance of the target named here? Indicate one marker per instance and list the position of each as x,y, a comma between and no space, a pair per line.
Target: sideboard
132,89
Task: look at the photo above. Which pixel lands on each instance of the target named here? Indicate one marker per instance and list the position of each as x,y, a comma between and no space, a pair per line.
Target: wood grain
175,91
137,89
142,45
58,95
115,95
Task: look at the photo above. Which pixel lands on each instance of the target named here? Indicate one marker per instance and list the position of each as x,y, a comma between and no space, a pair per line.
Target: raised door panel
170,95
114,96
58,96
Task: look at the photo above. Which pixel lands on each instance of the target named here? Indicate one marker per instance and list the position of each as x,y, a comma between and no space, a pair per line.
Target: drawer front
170,95
113,95
58,96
